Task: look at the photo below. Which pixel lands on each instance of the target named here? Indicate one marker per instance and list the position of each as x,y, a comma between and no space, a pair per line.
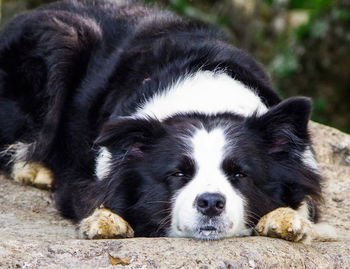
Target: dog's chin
217,234
212,230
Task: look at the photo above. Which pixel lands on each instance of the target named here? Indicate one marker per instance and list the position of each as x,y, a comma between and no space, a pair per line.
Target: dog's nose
210,204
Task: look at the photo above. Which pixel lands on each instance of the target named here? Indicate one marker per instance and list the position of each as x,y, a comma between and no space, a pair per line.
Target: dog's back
57,60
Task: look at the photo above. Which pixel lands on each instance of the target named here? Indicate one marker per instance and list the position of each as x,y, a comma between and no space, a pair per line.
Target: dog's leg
23,171
104,224
288,224
32,174
294,225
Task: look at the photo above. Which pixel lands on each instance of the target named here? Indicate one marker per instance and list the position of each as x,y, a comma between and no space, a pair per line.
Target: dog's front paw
287,224
104,224
32,174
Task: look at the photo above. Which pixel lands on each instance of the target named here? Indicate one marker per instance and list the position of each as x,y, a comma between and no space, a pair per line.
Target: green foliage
319,106
341,14
317,67
317,5
284,64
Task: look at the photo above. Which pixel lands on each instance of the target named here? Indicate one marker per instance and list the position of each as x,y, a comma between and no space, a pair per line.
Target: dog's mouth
208,231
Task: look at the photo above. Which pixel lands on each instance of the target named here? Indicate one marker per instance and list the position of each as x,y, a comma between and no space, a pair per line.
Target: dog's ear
284,125
130,135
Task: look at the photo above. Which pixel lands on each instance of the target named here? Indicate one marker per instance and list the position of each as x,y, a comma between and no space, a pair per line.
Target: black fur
70,73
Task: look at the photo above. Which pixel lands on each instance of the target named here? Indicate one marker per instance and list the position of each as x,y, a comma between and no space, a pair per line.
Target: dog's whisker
160,202
251,214
163,223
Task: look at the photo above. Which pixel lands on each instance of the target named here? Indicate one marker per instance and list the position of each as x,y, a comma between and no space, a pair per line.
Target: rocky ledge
33,235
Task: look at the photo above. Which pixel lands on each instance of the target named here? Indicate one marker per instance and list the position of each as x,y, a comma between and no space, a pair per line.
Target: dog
143,123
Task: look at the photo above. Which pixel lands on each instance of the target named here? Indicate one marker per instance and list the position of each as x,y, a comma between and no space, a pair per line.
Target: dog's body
155,118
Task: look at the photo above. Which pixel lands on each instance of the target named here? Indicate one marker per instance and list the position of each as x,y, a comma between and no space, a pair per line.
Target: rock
33,235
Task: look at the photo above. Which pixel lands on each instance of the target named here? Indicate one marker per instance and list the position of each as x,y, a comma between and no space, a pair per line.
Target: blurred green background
304,44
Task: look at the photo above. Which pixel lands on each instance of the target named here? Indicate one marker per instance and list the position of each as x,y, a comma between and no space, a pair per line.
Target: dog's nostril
210,204
202,203
220,204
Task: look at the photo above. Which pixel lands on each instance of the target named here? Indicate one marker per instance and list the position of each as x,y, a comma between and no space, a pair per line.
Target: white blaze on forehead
208,154
209,148
204,92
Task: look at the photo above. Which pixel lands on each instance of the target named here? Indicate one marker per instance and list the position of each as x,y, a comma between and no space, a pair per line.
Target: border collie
147,124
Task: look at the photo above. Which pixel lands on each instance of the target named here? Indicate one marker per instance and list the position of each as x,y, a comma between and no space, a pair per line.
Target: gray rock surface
33,235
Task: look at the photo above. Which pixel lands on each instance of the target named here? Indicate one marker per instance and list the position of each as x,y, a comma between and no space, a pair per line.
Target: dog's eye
239,175
179,174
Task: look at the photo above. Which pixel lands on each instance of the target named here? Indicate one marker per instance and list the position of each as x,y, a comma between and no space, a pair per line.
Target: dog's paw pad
104,224
287,224
32,174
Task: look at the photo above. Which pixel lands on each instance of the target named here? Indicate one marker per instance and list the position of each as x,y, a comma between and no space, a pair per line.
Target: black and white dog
133,115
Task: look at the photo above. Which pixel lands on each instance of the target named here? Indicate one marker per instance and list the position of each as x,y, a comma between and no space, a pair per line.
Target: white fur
303,210
309,159
321,231
103,163
205,92
208,153
16,152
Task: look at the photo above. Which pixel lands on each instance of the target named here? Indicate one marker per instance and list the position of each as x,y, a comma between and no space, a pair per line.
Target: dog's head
208,177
